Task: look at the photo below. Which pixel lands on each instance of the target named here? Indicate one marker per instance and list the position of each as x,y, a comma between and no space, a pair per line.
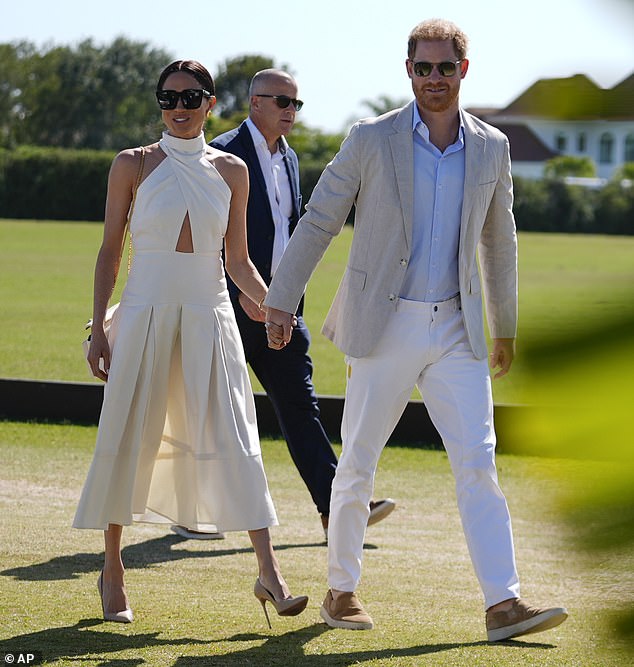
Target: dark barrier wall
39,400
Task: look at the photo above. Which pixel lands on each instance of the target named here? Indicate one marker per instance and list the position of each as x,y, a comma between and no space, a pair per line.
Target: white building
571,116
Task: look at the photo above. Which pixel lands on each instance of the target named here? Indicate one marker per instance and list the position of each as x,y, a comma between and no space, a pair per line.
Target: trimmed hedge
549,205
65,184
53,183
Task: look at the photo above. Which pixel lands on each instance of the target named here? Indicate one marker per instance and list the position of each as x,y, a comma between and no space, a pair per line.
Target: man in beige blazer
432,190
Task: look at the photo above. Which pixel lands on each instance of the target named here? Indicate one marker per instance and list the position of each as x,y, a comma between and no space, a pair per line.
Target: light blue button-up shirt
432,271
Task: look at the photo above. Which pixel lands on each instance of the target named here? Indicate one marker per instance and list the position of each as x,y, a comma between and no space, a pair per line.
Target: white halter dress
177,439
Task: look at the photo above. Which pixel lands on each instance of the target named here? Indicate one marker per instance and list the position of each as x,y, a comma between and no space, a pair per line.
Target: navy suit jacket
260,227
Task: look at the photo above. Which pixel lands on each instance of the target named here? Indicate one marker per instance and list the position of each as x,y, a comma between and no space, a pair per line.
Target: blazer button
403,262
392,297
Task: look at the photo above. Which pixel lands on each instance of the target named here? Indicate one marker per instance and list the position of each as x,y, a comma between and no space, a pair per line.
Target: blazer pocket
356,279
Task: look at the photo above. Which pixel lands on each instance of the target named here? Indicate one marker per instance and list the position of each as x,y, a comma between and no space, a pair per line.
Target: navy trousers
287,378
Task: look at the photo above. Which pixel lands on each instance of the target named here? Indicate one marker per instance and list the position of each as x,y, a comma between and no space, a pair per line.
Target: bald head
270,89
266,78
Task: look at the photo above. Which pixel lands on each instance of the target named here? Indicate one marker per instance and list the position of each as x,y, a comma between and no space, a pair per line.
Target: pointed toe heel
125,616
290,606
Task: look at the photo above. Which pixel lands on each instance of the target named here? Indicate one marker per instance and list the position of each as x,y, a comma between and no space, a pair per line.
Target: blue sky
345,51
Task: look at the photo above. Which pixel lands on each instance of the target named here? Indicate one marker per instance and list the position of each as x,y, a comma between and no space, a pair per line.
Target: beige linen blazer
374,172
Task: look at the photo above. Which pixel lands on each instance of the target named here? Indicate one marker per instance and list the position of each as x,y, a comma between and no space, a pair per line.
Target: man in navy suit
272,213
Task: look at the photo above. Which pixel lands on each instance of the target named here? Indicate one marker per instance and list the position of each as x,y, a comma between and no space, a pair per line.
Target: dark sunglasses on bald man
423,68
192,98
283,101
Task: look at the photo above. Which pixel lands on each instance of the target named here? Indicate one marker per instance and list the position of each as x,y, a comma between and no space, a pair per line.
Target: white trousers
424,344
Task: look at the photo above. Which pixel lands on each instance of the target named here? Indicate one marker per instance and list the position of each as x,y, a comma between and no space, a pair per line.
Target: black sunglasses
192,98
283,101
423,68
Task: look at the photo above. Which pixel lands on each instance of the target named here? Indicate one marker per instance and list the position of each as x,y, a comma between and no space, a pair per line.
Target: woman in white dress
177,440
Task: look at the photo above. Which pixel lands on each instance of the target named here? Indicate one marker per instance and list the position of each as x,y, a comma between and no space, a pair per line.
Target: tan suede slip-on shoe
521,619
345,612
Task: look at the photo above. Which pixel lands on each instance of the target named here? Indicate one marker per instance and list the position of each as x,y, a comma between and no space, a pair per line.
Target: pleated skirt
177,440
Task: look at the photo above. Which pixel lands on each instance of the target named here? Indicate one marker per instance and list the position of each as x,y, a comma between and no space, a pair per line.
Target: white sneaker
379,509
197,534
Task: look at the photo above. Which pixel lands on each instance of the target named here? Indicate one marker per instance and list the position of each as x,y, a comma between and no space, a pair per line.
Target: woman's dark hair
193,67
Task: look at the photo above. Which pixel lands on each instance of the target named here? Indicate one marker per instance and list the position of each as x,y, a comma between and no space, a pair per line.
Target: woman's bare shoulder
232,168
128,161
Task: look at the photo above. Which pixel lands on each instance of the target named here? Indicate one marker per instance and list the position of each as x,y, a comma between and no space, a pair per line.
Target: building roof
525,145
621,98
573,98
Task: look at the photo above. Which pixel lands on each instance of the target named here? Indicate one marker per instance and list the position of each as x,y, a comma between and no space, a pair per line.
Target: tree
232,83
314,149
13,74
82,97
569,165
129,72
615,211
102,97
384,103
314,144
625,172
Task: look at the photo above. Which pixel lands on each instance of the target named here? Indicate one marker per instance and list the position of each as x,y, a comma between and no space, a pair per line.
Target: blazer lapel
474,151
475,144
293,179
402,148
251,157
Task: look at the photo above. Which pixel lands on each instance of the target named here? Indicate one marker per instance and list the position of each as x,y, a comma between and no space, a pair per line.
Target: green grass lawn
193,601
567,283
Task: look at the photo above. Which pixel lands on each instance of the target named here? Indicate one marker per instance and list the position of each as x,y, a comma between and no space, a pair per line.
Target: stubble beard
438,103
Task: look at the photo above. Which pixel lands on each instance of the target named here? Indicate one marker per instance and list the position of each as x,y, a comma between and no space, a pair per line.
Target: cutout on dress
185,242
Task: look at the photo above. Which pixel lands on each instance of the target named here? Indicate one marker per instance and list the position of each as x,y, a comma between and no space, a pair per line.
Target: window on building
582,142
560,142
629,148
606,148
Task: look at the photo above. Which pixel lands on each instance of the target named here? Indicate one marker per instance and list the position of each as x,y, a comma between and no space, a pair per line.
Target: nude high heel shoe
124,616
290,606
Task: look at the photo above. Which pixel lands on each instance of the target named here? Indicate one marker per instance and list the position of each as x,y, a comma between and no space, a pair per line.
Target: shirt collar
419,126
260,141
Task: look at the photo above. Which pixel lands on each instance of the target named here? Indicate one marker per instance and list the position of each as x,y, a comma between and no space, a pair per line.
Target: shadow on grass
288,649
157,550
80,640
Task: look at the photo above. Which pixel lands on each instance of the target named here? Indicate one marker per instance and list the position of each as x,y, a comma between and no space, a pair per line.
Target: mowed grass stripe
567,283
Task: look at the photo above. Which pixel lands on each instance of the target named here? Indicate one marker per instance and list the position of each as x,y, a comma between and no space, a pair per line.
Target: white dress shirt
278,189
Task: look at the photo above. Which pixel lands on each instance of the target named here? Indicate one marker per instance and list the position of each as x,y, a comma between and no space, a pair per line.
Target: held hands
253,311
502,355
279,328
